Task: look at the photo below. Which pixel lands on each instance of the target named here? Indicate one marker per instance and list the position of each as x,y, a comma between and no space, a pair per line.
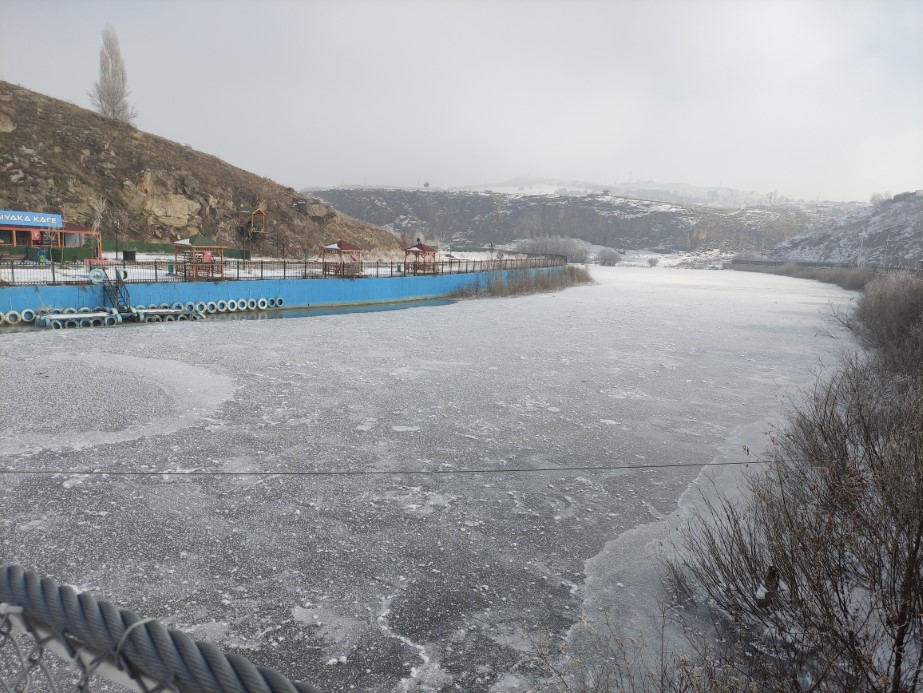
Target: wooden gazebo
251,220
199,257
419,259
342,259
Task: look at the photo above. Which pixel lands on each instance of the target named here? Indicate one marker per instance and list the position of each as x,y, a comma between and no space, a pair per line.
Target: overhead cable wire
379,472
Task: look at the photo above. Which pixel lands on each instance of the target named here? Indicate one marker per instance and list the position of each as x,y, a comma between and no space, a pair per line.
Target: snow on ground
380,559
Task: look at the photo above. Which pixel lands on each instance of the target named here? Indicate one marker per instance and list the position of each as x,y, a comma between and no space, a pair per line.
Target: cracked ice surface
395,581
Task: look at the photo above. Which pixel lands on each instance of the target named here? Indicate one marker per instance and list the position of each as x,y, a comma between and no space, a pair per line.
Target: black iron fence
33,273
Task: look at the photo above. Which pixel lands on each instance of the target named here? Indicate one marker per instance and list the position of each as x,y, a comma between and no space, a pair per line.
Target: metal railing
31,273
51,637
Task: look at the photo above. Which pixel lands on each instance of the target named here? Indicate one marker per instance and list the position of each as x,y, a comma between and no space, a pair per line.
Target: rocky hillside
601,219
56,157
890,233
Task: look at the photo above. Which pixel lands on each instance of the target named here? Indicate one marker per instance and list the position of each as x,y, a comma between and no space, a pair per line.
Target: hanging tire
169,318
84,309
181,318
56,324
71,323
211,307
262,304
69,311
232,306
241,304
97,322
13,318
27,315
200,307
251,304
164,306
221,306
109,320
280,302
152,306
178,306
271,302
189,306
86,322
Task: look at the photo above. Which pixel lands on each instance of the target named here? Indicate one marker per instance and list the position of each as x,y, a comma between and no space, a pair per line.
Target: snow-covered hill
890,233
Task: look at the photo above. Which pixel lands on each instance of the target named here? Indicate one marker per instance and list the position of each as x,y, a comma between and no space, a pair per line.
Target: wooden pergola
342,259
419,259
199,257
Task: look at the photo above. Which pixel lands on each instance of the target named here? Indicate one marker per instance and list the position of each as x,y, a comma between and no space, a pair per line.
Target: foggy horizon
809,100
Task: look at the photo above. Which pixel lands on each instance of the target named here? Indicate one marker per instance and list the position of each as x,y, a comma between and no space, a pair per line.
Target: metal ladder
116,293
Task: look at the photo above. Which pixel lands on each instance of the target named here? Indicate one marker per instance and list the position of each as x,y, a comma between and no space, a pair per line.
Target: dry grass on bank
852,279
521,283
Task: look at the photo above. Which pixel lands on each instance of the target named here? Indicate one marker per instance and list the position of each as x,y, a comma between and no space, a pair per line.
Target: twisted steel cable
145,647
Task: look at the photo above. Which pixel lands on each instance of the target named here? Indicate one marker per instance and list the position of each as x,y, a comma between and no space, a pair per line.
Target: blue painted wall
297,293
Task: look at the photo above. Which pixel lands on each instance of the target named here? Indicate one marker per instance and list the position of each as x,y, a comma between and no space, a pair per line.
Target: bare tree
110,94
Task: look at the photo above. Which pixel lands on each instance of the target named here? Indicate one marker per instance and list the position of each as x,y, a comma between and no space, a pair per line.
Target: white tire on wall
27,315
241,304
271,302
201,307
221,306
262,304
13,317
251,304
211,307
280,302
69,311
231,305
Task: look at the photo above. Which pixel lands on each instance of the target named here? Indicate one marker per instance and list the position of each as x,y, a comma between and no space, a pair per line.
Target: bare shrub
888,319
607,257
822,567
851,279
571,248
519,283
653,261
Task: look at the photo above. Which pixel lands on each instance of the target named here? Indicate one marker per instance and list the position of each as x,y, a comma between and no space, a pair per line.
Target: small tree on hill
110,94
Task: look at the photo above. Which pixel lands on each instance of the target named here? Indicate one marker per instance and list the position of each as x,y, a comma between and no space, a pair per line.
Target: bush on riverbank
852,279
814,580
519,283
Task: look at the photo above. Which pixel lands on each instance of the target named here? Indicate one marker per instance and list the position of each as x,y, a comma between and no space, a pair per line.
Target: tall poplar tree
110,94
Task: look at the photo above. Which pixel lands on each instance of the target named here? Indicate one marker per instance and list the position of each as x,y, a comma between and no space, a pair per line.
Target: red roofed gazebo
342,259
420,259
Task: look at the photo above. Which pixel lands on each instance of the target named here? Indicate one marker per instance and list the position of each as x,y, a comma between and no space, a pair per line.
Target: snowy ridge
887,234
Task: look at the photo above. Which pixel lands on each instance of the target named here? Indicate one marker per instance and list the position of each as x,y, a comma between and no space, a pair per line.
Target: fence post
12,272
52,268
156,276
261,269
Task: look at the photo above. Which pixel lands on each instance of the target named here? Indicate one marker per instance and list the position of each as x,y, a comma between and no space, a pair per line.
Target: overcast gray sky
809,98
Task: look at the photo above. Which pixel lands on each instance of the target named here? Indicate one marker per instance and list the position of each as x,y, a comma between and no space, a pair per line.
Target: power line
374,472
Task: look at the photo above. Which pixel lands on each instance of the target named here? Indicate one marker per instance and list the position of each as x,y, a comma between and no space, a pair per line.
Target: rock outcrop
56,157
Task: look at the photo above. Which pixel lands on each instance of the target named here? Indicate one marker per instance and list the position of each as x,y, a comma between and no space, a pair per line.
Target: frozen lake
398,525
